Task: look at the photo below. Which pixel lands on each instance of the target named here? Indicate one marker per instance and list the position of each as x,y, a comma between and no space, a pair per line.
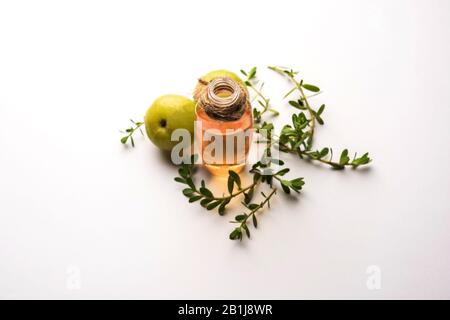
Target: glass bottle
223,126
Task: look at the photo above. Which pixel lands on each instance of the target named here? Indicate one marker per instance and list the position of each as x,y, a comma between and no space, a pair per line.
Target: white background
75,203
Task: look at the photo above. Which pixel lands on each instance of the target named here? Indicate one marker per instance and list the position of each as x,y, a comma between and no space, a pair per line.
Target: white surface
73,199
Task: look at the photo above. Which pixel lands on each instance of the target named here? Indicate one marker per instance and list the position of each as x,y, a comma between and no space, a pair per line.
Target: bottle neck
223,99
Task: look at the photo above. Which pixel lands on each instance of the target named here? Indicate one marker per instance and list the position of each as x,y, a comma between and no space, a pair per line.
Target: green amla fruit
202,81
166,114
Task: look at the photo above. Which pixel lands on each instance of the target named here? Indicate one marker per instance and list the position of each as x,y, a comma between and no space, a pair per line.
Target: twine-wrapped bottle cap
225,108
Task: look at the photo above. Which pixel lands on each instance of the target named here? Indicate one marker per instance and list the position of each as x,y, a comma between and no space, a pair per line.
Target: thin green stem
298,85
130,131
259,94
231,195
239,192
260,206
306,153
328,162
138,126
266,101
311,112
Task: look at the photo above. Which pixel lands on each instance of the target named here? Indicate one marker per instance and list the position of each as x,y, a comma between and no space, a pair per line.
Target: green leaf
230,184
320,111
310,87
299,121
236,234
253,206
256,115
323,152
267,126
213,204
297,184
255,221
195,198
205,202
188,192
240,217
288,131
285,185
248,196
297,145
285,189
282,172
184,172
222,208
319,119
298,104
180,180
124,139
247,231
344,159
336,166
252,73
236,178
190,183
243,72
364,159
256,177
295,104
206,192
268,179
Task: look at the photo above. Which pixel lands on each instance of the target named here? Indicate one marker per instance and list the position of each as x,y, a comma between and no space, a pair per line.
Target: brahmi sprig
130,131
252,83
344,159
298,137
262,172
302,103
268,175
293,139
206,197
243,218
